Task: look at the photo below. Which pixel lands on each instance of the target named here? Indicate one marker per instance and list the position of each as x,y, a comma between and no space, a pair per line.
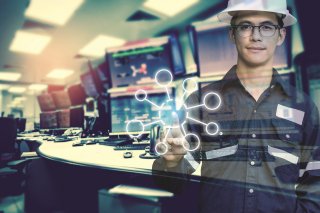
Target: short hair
280,18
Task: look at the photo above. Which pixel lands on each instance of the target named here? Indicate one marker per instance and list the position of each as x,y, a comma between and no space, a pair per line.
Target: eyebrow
261,23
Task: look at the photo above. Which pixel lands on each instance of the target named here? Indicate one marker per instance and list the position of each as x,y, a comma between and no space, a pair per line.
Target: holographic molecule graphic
161,148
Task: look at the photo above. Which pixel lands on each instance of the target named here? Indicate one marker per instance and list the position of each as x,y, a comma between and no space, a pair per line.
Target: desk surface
98,156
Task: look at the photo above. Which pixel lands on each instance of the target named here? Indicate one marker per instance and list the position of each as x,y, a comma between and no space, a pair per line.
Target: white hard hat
274,6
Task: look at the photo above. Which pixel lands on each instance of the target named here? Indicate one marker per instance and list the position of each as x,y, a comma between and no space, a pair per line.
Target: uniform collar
231,78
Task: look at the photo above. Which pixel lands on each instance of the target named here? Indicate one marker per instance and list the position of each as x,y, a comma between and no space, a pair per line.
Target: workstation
84,107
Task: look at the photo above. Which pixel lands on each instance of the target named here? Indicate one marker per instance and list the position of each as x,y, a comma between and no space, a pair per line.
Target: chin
256,61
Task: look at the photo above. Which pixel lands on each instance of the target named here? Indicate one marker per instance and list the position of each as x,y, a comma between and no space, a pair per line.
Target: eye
267,27
244,27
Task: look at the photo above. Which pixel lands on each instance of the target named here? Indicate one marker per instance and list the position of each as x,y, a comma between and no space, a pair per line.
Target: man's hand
171,143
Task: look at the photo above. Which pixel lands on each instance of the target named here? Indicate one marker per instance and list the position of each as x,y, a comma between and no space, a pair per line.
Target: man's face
256,50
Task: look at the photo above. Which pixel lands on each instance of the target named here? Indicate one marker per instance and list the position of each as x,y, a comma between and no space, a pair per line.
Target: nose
256,35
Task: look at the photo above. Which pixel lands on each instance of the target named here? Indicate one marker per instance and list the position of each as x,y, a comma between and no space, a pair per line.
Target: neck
254,79
254,76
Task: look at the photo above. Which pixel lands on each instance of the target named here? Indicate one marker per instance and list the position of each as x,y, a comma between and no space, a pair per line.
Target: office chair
11,166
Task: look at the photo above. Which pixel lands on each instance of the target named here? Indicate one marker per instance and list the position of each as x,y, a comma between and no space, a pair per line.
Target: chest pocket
285,141
284,150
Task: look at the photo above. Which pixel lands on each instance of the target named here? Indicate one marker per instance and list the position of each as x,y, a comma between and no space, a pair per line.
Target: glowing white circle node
135,121
196,147
207,96
157,147
164,85
138,92
208,128
192,89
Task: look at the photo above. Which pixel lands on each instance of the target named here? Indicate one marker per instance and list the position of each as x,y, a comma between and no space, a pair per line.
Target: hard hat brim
227,14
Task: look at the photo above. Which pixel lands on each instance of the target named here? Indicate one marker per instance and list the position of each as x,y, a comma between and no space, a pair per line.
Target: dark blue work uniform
266,156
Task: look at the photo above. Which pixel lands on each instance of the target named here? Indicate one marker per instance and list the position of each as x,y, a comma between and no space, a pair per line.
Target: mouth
256,49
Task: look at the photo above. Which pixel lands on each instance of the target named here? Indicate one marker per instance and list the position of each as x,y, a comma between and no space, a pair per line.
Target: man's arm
308,188
178,162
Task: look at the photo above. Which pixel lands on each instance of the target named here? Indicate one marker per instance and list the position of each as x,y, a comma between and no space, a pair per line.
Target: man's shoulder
214,86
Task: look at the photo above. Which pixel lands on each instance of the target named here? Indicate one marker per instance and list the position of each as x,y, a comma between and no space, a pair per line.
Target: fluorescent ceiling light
56,12
169,7
27,42
17,89
97,47
60,73
9,76
18,100
38,87
4,86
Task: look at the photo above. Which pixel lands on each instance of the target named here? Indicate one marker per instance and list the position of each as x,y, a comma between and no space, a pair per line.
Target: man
266,156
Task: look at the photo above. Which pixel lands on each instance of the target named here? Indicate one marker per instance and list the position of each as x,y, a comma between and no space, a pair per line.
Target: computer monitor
21,124
53,88
88,83
63,117
61,99
138,62
46,102
77,94
216,53
178,64
48,120
77,116
127,108
101,76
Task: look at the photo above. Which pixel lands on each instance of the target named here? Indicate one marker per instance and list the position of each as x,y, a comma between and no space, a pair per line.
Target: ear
282,36
231,35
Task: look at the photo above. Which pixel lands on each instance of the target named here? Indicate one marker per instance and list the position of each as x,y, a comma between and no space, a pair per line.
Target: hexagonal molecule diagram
211,128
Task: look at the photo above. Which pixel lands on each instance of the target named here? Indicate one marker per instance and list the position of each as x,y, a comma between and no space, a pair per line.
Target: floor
12,204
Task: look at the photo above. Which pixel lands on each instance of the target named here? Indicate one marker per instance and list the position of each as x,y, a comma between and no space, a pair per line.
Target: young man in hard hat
265,156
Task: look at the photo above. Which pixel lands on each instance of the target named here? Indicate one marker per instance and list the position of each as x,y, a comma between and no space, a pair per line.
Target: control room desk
77,173
97,156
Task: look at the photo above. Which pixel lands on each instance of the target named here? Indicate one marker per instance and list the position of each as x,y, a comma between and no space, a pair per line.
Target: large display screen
77,94
48,120
89,85
61,99
177,57
46,102
138,64
77,116
127,108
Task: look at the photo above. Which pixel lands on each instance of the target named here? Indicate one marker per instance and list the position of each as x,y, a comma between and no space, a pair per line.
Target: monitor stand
148,155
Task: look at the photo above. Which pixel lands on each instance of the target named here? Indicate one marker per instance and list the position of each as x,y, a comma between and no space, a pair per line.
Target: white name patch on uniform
290,114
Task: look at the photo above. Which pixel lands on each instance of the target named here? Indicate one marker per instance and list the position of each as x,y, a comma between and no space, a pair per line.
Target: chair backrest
8,134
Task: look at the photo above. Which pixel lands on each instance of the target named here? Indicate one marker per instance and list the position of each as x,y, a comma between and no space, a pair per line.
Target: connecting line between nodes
159,121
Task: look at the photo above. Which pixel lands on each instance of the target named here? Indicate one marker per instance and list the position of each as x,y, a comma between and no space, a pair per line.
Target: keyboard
62,139
114,141
131,147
